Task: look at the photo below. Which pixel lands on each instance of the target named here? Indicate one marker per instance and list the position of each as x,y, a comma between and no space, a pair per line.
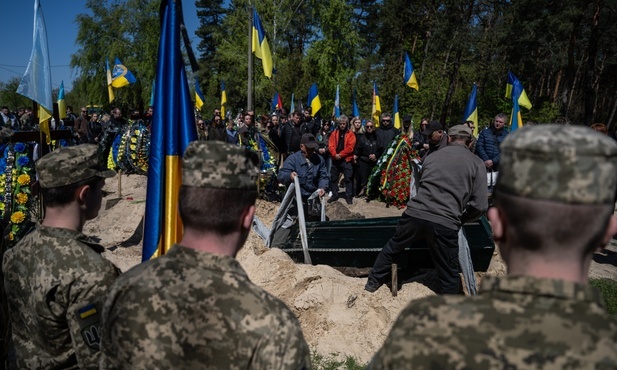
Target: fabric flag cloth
471,110
152,93
61,102
313,99
121,76
396,113
514,90
376,111
409,75
277,102
110,90
354,106
199,96
293,104
223,99
36,82
337,103
260,47
173,127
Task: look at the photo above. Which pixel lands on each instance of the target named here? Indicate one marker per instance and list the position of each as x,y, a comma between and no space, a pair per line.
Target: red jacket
350,144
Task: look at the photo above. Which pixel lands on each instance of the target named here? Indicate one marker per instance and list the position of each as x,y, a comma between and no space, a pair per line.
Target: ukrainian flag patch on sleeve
87,311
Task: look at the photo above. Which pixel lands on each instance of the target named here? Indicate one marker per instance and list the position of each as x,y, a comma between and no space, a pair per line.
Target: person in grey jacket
451,191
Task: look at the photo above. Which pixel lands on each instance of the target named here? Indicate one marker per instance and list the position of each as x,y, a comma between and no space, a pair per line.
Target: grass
608,288
333,362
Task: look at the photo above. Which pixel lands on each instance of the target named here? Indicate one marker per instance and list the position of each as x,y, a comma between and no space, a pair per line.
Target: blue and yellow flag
337,103
293,104
223,99
260,47
409,75
376,109
121,76
61,102
110,90
199,96
396,113
514,90
354,106
313,99
471,110
173,128
36,82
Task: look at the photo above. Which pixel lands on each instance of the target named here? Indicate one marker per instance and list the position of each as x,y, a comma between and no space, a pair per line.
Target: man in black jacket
385,133
367,156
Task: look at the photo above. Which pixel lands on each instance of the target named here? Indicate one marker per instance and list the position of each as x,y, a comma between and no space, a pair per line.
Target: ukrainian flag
354,105
471,110
110,90
514,90
61,102
199,96
293,104
397,115
409,75
36,82
313,99
223,99
260,47
173,128
376,111
121,76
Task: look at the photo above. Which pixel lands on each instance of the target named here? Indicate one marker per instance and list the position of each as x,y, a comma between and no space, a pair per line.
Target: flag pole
249,95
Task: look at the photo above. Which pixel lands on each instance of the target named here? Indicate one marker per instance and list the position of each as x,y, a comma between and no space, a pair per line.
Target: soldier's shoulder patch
88,318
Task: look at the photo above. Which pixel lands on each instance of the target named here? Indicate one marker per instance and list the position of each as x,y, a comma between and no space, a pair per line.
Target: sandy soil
337,315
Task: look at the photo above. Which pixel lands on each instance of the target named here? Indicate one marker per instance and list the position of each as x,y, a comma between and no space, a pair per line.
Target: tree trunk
592,51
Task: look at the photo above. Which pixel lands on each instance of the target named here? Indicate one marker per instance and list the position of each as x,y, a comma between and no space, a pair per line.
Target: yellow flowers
21,198
18,217
23,179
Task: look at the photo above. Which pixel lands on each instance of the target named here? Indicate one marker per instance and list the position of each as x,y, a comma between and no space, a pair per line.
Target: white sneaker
330,194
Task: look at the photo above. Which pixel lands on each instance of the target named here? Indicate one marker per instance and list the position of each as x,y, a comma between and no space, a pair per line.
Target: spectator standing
489,140
366,156
451,191
385,133
80,127
436,138
542,314
55,277
341,145
217,317
420,142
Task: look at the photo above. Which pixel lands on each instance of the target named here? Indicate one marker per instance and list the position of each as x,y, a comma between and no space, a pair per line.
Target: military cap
69,165
567,164
214,164
459,130
432,127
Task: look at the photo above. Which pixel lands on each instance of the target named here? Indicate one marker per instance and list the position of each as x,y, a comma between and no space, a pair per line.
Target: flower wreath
16,177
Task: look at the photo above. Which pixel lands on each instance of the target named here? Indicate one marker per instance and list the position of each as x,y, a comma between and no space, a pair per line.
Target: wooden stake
119,183
394,288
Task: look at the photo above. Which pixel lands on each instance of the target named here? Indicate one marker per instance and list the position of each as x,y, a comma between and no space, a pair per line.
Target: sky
17,26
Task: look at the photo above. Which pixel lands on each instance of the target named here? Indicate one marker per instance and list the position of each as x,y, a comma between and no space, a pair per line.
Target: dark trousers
338,167
364,172
443,247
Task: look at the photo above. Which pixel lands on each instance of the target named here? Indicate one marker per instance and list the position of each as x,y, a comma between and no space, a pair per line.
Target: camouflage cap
70,165
567,164
214,164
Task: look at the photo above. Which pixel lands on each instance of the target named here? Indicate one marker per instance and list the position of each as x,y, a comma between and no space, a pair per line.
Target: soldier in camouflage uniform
55,277
195,307
554,203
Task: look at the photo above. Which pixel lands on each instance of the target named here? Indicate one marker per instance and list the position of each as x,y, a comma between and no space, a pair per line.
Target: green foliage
333,362
9,96
608,288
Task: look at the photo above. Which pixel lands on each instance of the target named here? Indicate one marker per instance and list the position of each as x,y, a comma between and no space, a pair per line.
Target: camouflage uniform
522,321
192,309
56,279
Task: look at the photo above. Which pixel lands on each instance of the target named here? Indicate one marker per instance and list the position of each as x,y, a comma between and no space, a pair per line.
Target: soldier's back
516,323
197,310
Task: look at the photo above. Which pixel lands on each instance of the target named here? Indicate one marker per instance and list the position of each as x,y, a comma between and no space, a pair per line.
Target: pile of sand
337,315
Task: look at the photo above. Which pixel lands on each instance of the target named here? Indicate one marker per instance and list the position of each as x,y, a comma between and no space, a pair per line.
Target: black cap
432,127
407,119
308,140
